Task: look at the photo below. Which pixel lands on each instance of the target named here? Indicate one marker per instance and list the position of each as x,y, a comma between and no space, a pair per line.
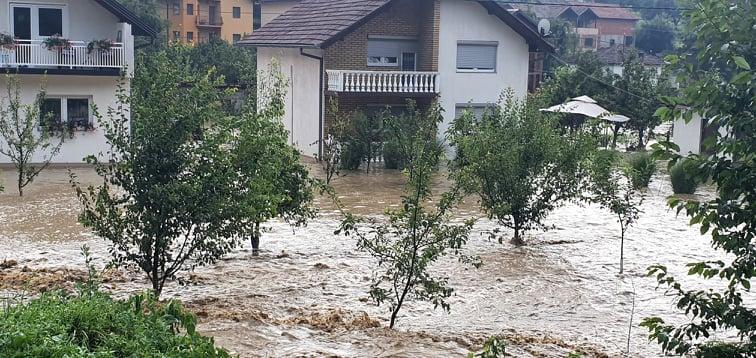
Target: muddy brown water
305,295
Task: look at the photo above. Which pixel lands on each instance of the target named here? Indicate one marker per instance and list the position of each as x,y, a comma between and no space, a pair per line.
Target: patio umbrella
582,105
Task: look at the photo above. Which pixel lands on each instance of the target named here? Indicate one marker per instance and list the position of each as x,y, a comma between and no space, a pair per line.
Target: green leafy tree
720,80
656,35
236,64
187,181
26,132
414,236
614,190
149,12
519,164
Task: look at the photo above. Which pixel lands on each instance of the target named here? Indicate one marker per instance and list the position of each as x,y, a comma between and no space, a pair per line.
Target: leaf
742,63
741,78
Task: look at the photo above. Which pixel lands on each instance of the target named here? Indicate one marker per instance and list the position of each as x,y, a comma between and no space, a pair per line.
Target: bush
682,181
642,167
351,156
392,156
93,324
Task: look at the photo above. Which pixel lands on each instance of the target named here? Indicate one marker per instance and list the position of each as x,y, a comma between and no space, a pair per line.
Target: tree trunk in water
20,182
255,240
622,252
641,144
614,137
517,239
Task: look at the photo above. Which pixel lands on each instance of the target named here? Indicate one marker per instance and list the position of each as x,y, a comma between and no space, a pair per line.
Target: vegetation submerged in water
94,324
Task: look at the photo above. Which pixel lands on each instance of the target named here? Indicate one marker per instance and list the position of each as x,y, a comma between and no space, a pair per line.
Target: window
477,110
50,22
38,21
476,57
70,111
176,35
190,9
237,38
189,36
236,12
588,42
629,41
176,7
383,52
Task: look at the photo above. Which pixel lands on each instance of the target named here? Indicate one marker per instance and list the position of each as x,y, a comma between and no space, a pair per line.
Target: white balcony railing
383,81
32,53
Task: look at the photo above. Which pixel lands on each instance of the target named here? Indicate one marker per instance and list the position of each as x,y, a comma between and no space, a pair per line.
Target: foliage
334,142
22,140
148,11
101,45
586,78
93,324
616,191
494,347
7,40
720,82
636,94
656,35
565,41
642,167
415,236
518,162
187,181
403,125
351,156
56,42
236,64
682,181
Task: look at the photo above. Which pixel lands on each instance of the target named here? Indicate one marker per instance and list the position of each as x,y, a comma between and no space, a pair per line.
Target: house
597,25
372,53
613,59
75,78
193,21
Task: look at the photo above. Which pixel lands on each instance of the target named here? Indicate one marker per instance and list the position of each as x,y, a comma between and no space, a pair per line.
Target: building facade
369,54
197,21
74,77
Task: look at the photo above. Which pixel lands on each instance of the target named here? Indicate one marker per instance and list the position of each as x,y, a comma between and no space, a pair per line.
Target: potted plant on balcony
7,41
101,46
56,42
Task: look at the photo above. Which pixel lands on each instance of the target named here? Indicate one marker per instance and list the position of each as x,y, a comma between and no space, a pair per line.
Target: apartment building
95,47
372,53
193,21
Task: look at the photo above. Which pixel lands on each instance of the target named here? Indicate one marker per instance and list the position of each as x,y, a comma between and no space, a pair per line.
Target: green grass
95,325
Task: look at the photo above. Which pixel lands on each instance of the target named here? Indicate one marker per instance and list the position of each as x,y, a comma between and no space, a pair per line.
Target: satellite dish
544,27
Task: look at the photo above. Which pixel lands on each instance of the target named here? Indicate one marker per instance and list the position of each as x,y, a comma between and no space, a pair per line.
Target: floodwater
306,294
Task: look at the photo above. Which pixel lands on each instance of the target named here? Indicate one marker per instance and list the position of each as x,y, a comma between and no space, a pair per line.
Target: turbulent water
305,295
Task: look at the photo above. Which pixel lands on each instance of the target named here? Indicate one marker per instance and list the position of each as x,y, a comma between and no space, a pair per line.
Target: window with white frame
388,52
33,21
477,110
71,112
476,56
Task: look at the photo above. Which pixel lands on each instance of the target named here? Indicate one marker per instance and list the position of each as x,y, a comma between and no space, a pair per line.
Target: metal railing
383,81
33,53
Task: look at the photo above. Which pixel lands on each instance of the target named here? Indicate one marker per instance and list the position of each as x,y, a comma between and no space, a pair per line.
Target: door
22,22
409,61
213,18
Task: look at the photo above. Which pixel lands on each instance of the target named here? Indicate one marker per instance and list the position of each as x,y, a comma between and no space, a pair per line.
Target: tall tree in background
720,86
149,11
656,35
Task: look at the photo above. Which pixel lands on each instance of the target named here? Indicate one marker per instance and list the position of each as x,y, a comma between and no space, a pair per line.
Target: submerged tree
26,133
187,182
720,78
518,163
415,236
613,189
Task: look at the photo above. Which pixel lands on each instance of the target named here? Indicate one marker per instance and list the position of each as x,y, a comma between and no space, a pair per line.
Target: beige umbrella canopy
586,106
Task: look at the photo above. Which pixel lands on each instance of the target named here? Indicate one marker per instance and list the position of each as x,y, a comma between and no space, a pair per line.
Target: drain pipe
321,99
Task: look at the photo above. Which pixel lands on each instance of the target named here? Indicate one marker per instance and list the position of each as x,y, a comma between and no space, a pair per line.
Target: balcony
209,21
383,82
32,54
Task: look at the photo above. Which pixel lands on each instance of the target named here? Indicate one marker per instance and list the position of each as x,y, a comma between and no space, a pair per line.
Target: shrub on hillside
682,182
93,324
642,167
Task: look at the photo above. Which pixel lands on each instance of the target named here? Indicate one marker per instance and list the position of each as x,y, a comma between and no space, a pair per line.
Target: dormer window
32,22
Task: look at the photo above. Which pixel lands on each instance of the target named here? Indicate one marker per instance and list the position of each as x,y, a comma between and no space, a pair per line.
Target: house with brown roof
372,53
613,58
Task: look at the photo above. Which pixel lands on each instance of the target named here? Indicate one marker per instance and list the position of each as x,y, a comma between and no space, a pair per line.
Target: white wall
468,21
102,93
87,20
271,9
688,135
302,118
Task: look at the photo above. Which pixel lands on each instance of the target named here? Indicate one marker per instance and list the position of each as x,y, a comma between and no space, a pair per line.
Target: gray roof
318,23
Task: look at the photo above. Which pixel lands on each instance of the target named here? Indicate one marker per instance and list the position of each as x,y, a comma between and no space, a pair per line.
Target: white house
75,77
373,53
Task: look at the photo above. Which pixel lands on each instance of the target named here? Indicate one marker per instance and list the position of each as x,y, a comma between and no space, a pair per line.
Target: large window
190,9
71,112
176,7
384,52
476,57
236,12
38,21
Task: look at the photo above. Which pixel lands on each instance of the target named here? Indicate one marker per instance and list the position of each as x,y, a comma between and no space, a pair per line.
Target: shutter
476,57
383,48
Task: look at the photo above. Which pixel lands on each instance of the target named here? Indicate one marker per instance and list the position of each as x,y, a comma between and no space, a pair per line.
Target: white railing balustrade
383,81
32,53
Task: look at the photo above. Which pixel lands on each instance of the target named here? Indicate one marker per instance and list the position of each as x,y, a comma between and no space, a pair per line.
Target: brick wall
616,27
